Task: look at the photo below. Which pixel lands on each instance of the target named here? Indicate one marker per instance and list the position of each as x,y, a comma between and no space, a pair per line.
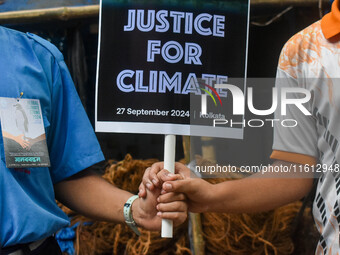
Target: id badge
23,133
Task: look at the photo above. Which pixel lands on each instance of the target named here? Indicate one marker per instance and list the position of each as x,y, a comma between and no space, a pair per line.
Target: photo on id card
23,133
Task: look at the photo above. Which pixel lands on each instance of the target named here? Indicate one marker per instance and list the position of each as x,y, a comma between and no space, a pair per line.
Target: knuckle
182,197
160,207
144,179
184,207
176,215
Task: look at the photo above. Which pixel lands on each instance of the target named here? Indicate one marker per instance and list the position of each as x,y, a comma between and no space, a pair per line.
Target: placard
152,56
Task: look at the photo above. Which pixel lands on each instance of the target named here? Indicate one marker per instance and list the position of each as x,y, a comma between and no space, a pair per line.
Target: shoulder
46,45
302,49
41,47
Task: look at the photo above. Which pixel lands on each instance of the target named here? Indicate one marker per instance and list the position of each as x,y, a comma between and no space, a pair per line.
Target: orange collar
330,23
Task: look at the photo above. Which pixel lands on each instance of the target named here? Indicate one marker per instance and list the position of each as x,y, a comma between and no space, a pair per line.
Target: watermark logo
281,99
204,98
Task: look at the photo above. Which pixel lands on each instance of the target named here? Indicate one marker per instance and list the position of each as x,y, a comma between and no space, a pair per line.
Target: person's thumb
180,186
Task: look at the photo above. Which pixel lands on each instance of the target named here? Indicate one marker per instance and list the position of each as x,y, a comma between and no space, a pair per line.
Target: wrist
137,215
220,197
215,196
129,208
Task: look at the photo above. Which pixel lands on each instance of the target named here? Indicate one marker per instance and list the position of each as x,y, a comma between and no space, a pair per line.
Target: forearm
256,195
259,193
92,196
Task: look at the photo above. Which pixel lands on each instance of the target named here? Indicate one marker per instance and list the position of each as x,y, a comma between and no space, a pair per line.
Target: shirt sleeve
294,144
72,143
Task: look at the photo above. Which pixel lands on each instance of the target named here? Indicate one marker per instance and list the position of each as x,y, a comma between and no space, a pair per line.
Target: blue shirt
31,65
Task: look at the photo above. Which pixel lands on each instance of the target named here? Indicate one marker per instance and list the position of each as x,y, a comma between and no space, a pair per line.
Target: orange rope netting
256,233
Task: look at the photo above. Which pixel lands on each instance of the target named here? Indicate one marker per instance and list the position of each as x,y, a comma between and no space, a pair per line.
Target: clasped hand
181,185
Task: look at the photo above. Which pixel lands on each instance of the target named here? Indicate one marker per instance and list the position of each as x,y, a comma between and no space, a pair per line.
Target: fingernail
159,214
155,181
158,200
168,186
148,185
157,207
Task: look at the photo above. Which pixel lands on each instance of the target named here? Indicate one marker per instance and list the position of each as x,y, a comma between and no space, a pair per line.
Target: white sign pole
169,164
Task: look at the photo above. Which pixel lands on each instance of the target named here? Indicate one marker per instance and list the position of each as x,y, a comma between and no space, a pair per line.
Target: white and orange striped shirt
311,60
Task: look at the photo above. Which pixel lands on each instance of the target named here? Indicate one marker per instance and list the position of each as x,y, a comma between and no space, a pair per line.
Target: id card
23,133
